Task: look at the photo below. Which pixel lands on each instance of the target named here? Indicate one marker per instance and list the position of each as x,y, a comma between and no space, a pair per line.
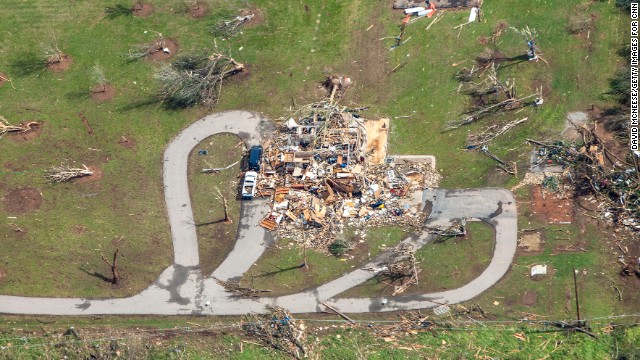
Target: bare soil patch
127,142
102,93
3,78
258,16
19,232
199,10
529,298
61,64
551,208
160,54
22,201
97,175
34,131
78,229
369,60
531,242
142,10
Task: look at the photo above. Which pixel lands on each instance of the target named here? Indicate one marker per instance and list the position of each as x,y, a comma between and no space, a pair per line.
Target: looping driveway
182,289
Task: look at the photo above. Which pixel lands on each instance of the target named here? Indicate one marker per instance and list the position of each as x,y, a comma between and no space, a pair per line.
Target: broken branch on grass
6,127
64,173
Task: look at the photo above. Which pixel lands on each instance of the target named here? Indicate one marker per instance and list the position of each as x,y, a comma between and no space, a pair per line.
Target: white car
249,185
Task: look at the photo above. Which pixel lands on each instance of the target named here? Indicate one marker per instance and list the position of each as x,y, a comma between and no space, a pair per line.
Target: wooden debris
65,173
278,330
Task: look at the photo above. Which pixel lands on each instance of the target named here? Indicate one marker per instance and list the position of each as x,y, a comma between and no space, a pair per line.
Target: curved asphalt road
181,288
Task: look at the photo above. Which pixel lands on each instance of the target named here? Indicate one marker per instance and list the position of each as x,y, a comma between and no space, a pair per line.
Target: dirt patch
60,64
142,10
258,16
551,208
34,131
377,134
22,201
368,60
159,53
529,298
18,231
102,93
611,143
531,242
571,248
483,40
127,142
3,78
78,229
97,175
198,10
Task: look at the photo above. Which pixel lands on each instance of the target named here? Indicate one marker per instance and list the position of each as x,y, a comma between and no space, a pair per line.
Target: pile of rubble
592,169
322,174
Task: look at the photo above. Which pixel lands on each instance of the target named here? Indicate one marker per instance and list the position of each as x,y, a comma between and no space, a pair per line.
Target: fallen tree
64,173
195,79
6,127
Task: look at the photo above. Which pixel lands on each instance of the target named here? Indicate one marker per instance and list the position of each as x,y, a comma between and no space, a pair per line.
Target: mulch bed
127,142
258,16
22,201
159,54
142,10
101,93
59,66
199,10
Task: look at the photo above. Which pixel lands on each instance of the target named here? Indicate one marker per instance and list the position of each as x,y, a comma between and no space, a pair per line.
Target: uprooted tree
6,127
195,79
141,51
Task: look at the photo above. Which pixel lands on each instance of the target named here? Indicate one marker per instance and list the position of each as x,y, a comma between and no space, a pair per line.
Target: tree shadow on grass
280,270
78,95
118,10
97,275
26,64
141,104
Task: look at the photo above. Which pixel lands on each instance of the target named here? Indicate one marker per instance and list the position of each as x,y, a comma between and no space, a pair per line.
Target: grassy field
444,266
216,238
221,339
279,268
288,53
54,258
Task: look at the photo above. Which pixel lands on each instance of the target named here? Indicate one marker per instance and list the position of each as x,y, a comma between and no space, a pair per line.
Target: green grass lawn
292,50
215,238
444,266
52,258
279,268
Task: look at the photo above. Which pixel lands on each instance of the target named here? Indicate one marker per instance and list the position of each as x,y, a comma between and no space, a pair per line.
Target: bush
625,4
339,248
621,86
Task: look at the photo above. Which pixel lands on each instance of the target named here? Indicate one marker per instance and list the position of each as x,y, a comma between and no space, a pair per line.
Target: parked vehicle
249,185
255,156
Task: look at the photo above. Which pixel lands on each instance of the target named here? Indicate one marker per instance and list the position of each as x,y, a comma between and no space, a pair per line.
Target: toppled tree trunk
6,127
195,79
238,290
64,173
